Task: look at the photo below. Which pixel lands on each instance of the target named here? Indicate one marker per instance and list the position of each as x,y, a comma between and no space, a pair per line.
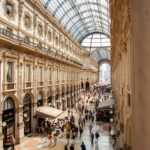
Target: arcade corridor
51,58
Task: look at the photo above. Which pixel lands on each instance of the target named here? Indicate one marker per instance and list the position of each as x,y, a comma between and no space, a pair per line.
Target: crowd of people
85,115
73,125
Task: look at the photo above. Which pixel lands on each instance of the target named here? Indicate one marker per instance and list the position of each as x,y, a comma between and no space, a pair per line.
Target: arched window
8,120
39,99
9,103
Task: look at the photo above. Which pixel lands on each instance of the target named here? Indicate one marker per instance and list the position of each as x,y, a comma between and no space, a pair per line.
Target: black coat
71,147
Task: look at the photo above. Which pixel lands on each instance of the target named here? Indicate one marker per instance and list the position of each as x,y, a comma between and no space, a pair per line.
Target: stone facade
130,30
121,69
45,59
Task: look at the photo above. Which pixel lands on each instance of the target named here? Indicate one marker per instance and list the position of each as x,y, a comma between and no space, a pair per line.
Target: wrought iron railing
21,40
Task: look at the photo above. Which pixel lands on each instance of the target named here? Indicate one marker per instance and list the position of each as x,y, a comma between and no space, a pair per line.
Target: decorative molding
12,17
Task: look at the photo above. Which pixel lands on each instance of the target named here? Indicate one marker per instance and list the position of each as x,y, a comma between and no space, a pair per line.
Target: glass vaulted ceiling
95,40
81,17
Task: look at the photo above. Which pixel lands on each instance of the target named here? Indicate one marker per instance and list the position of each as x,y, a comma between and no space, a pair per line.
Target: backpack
97,135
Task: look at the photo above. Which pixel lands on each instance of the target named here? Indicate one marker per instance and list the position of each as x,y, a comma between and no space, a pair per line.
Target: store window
27,114
39,99
8,122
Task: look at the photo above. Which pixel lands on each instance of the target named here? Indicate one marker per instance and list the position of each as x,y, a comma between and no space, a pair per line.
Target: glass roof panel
96,40
76,13
87,20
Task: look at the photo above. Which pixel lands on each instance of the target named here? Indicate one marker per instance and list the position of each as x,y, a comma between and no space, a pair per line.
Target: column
140,74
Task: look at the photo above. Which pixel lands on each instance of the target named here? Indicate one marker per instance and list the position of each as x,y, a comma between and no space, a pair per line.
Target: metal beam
84,18
82,4
47,3
82,12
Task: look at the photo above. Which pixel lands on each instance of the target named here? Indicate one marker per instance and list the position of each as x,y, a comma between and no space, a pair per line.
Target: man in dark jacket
71,147
96,136
83,146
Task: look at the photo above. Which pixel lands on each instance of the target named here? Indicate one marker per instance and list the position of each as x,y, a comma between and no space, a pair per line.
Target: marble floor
42,143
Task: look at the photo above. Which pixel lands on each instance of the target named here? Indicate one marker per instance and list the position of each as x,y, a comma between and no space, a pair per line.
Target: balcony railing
40,83
28,84
9,86
21,40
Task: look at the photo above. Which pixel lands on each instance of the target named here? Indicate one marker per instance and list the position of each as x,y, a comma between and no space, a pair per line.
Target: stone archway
27,113
101,75
9,119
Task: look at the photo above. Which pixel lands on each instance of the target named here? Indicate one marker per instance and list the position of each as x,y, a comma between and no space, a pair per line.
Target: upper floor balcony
9,86
9,36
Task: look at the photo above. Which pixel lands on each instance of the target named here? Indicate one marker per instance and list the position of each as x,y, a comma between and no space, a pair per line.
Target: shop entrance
27,114
8,122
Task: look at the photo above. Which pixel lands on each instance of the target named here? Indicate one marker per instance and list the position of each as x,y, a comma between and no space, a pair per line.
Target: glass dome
96,40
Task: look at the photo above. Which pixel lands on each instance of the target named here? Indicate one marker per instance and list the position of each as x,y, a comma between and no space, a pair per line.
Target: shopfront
8,122
27,114
68,100
57,101
63,102
49,102
40,102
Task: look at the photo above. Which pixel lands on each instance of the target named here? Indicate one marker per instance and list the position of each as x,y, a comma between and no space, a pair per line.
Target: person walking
55,140
13,141
76,131
97,136
50,138
68,112
92,118
80,130
90,127
83,146
66,147
71,147
92,137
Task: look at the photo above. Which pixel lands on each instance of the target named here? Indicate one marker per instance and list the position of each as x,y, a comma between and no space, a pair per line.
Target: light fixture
25,115
112,132
111,112
111,119
4,124
111,106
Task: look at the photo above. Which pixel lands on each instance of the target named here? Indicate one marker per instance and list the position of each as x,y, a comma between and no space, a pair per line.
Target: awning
48,112
106,103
